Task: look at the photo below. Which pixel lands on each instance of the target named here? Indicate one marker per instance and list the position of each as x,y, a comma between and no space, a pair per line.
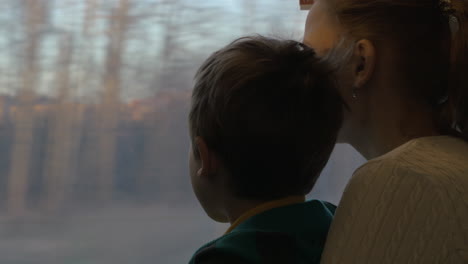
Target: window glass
94,97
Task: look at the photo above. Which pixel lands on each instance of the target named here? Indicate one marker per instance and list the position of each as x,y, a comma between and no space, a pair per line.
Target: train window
93,125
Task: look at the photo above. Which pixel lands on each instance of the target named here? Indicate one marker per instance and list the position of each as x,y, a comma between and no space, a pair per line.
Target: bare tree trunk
60,142
90,16
84,159
150,182
24,119
118,25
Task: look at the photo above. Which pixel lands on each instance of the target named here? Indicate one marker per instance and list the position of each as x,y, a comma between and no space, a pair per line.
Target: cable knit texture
408,206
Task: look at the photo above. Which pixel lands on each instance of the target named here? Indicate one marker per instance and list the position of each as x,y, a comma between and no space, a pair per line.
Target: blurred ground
159,233
117,235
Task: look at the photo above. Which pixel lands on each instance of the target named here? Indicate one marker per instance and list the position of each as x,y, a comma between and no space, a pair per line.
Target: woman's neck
392,128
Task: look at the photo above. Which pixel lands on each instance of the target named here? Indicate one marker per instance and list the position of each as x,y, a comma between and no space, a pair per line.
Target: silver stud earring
354,94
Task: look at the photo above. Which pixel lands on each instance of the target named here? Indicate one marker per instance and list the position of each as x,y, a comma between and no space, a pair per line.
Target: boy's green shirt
290,234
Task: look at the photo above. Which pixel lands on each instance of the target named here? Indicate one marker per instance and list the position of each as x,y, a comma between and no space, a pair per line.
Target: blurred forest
94,97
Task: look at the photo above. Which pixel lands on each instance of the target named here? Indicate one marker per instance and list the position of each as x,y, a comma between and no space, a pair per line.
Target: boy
264,119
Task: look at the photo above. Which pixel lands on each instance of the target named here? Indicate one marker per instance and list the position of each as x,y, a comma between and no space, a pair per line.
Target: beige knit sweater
408,206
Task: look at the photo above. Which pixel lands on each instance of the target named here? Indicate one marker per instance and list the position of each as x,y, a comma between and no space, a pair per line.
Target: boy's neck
242,210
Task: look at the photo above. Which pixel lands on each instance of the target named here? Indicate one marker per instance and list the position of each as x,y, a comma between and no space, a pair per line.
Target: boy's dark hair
270,110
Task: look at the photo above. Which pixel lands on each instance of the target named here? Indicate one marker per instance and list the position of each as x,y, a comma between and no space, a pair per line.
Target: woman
403,71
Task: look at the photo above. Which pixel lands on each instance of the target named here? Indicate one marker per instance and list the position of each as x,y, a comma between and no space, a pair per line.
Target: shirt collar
265,207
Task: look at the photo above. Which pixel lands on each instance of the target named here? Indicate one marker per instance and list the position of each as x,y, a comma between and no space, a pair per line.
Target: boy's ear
364,67
208,160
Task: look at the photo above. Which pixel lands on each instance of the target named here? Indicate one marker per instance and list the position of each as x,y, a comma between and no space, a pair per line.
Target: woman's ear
208,160
365,55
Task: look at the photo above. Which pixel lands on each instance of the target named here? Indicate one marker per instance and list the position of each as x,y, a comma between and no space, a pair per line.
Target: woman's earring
354,94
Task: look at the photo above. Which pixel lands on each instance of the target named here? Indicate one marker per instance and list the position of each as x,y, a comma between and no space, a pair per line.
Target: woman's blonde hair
431,37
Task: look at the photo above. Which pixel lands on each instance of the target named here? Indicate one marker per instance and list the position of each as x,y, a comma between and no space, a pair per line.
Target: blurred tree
61,143
34,18
165,149
119,21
